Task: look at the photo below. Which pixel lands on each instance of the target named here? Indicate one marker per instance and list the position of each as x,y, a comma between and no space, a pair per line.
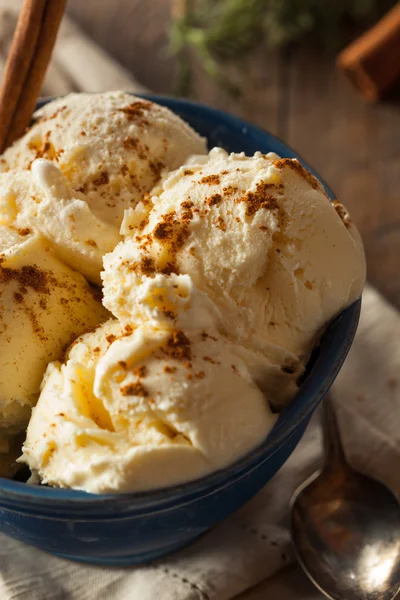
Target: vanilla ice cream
258,236
44,305
139,408
98,154
226,276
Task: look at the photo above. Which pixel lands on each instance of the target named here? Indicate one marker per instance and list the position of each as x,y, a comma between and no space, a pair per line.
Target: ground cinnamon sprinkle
169,268
214,199
147,201
29,276
178,346
163,231
103,179
130,143
173,232
210,179
143,224
24,231
206,336
168,369
46,151
187,204
45,118
134,389
140,371
295,165
181,238
187,215
91,243
147,265
230,189
144,241
188,172
220,223
169,314
111,338
137,111
261,198
211,360
36,326
56,113
169,217
156,167
142,150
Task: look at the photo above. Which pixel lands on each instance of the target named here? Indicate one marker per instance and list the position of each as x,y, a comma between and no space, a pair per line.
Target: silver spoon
346,527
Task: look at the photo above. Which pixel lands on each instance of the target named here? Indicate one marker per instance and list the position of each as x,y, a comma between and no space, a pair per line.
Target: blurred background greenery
229,30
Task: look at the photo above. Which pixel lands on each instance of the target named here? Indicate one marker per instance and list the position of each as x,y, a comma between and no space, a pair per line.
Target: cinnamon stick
372,62
19,59
52,15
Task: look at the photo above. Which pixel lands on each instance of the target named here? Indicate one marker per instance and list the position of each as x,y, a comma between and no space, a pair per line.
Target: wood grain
135,32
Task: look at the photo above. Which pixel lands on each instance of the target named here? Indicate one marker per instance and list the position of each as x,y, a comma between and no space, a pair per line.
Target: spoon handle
333,447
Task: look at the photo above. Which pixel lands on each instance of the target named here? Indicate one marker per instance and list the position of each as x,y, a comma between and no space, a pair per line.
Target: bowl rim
20,497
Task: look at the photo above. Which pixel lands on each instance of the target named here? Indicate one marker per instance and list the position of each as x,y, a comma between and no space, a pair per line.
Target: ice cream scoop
44,305
136,408
258,236
99,154
112,146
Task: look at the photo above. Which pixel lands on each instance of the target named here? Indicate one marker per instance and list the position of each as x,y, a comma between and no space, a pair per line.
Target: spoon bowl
346,528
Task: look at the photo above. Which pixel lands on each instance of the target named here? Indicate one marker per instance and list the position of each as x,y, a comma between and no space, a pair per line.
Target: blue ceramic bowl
133,528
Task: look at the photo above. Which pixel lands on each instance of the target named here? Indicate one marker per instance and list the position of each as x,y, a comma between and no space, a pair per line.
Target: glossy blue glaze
133,528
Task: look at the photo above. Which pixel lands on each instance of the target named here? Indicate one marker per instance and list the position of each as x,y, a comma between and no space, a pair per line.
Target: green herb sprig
229,30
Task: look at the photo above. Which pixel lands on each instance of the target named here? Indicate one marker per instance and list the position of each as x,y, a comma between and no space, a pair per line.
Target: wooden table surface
301,98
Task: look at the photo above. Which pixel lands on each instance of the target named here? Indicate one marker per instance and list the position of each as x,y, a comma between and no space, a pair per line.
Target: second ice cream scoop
258,236
111,146
44,305
91,157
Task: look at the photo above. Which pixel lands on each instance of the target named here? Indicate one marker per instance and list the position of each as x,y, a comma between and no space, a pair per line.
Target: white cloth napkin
253,545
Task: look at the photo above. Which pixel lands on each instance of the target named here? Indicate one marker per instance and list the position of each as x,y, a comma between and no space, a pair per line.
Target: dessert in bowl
186,286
